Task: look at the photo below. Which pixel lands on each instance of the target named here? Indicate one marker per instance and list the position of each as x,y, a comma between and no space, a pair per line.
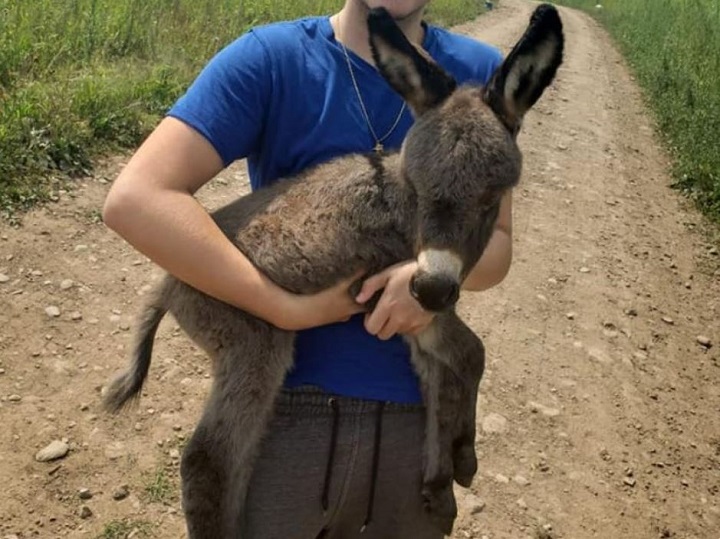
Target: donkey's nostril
453,294
433,292
414,287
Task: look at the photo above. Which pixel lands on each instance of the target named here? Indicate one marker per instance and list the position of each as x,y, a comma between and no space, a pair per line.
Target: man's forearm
494,264
174,231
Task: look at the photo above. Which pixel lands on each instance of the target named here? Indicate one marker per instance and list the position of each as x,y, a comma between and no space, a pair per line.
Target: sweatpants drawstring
375,465
331,457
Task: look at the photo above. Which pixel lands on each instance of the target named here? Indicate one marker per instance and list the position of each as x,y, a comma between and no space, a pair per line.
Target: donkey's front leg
250,371
464,354
437,489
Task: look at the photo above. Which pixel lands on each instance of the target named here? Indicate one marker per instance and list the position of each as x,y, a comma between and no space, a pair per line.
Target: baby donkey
436,201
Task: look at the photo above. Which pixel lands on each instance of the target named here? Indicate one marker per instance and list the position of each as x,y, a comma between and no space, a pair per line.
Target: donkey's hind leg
203,484
250,368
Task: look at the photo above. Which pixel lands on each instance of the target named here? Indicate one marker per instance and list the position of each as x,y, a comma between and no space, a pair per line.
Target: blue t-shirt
282,97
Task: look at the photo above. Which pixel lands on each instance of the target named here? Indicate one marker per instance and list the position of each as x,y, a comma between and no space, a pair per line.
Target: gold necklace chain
378,141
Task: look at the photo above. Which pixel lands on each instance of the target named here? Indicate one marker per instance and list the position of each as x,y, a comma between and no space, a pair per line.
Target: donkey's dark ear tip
547,15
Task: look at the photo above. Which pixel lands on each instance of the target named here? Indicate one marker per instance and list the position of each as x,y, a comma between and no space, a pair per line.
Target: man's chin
397,12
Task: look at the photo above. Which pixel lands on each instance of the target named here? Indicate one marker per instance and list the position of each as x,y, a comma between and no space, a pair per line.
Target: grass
159,488
673,47
121,529
79,78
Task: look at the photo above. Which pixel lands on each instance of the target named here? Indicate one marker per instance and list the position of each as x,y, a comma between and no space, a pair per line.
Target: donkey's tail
127,385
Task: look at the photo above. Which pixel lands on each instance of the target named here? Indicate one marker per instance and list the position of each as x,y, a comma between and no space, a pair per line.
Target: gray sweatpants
339,468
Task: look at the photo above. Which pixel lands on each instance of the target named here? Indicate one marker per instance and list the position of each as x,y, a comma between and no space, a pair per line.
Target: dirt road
599,414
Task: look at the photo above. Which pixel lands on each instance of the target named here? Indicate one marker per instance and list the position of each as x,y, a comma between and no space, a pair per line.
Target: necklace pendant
379,147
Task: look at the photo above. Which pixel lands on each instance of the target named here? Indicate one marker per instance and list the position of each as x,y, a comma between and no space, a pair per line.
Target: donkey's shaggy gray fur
436,201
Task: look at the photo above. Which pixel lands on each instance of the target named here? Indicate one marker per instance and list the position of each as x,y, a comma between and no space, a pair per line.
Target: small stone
471,503
84,494
477,507
704,341
494,424
600,356
79,248
121,493
66,284
4,278
500,478
55,450
85,512
544,410
115,450
84,407
174,454
629,481
713,251
522,504
631,312
14,398
52,311
584,270
571,316
668,320
520,480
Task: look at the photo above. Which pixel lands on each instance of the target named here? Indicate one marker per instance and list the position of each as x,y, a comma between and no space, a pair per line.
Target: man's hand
326,307
397,311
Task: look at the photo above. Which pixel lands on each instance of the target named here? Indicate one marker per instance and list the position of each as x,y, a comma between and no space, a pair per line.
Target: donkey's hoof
465,465
441,507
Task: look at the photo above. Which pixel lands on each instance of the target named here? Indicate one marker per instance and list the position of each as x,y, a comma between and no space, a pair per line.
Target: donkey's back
308,232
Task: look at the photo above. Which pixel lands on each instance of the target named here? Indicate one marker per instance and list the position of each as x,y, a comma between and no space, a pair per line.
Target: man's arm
495,262
151,205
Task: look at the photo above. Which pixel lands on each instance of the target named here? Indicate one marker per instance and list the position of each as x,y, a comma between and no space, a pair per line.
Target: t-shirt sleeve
494,59
228,100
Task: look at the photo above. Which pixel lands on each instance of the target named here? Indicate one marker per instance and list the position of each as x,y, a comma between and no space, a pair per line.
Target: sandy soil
599,414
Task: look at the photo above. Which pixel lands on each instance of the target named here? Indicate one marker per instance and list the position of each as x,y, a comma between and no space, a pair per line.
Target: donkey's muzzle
434,292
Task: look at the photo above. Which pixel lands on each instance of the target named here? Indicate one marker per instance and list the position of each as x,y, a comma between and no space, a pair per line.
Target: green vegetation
82,77
121,529
159,488
674,48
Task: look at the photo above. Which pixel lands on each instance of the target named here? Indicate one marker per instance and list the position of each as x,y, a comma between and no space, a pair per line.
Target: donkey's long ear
529,68
411,72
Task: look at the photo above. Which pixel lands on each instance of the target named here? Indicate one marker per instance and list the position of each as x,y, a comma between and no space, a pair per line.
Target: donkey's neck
397,193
